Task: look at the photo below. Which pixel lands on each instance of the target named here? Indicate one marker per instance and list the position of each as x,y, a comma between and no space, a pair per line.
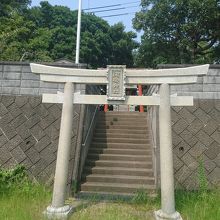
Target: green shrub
13,178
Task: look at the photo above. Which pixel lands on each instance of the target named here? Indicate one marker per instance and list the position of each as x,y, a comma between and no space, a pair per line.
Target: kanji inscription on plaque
116,83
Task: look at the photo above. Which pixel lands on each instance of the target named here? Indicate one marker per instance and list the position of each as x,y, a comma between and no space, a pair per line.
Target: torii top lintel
117,77
131,76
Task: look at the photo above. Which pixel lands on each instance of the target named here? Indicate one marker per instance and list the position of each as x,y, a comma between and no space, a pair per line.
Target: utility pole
78,32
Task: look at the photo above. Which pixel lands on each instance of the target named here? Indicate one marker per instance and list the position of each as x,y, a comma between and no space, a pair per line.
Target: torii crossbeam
116,78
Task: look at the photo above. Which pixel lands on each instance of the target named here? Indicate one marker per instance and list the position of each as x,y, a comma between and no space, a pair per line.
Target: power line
108,16
109,6
116,15
113,9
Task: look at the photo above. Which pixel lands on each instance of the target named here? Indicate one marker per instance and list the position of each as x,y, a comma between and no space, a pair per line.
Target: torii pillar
167,210
58,207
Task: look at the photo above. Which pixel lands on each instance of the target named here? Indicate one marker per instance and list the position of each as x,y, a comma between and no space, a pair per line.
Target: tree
46,33
8,6
96,43
101,44
186,31
15,33
123,45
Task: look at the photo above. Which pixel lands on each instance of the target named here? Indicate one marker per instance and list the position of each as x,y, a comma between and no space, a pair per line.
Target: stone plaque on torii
117,78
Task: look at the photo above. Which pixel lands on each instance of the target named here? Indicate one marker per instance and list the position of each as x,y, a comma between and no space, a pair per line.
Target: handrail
90,126
84,148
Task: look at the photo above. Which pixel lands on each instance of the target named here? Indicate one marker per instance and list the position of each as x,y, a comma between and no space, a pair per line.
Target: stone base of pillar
58,213
160,215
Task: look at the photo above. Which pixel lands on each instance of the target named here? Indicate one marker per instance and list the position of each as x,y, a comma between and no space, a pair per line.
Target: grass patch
198,205
21,199
29,204
24,205
193,205
112,211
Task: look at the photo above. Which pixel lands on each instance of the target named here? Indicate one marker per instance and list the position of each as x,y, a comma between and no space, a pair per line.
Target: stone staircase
119,160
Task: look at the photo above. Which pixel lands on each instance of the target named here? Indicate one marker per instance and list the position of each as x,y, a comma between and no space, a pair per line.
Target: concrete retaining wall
196,131
29,132
29,129
207,87
196,141
16,78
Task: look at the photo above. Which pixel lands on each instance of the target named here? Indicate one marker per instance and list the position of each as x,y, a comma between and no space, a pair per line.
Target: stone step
121,131
122,123
122,140
118,171
119,135
121,145
119,151
115,187
118,179
133,127
119,163
119,157
122,119
119,160
122,114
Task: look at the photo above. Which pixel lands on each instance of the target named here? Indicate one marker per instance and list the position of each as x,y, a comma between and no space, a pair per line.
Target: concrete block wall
207,87
196,131
16,78
196,143
29,132
29,129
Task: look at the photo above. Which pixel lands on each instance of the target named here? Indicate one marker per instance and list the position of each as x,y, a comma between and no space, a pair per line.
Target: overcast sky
131,6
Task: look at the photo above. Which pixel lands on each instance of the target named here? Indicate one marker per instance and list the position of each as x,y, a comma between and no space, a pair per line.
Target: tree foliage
47,33
9,6
123,45
178,31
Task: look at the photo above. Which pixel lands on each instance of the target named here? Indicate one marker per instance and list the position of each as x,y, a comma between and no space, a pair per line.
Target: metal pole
78,32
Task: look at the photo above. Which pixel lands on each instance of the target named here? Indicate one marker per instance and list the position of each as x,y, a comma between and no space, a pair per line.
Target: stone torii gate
116,78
